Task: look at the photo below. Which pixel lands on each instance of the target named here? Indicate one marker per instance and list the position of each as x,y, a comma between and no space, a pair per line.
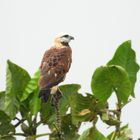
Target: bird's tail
44,94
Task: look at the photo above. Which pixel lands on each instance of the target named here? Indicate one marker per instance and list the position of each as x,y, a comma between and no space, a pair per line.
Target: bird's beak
71,37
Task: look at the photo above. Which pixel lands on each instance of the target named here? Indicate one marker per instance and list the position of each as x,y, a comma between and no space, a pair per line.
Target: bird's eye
65,36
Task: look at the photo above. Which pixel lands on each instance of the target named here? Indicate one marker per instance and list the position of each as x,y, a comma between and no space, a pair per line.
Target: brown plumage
55,64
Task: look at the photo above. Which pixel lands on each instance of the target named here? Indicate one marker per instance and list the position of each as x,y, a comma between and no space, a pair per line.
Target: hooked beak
71,37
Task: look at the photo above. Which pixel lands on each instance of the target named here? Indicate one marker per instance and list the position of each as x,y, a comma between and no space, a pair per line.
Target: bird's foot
56,95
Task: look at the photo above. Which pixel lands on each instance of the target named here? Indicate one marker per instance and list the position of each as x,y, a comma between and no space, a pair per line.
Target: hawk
55,64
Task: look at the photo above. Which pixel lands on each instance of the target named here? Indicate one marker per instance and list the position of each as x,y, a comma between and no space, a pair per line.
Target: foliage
92,133
21,107
112,78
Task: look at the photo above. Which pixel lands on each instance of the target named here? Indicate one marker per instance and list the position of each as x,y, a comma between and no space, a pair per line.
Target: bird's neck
61,45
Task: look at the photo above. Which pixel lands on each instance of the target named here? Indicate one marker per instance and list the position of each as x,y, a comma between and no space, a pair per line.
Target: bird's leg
56,94
54,90
59,93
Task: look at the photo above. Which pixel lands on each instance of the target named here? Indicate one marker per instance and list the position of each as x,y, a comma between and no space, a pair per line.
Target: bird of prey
54,66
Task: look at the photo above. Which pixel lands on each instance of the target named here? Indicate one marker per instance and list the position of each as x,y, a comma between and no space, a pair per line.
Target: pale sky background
27,29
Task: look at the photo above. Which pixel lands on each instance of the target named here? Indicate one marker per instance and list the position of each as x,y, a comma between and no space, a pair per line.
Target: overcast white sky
27,29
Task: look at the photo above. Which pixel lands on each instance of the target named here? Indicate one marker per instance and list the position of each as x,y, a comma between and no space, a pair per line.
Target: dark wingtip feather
44,94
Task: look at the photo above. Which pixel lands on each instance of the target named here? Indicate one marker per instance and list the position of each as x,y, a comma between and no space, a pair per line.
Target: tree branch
18,123
13,134
118,109
56,98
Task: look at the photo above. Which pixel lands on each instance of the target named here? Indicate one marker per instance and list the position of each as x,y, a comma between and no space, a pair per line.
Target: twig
16,118
19,134
41,135
37,124
113,111
118,114
13,134
18,123
113,136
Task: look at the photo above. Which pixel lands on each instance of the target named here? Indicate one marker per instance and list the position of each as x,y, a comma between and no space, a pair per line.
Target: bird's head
63,40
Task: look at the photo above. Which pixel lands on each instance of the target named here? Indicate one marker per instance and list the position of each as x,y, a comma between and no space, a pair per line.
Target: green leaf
125,134
30,100
35,103
31,86
48,113
92,134
6,128
70,131
5,125
25,129
16,81
4,117
30,106
109,119
2,99
24,109
112,134
82,108
67,91
126,58
106,79
48,110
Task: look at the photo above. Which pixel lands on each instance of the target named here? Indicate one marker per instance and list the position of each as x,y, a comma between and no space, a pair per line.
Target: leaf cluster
21,107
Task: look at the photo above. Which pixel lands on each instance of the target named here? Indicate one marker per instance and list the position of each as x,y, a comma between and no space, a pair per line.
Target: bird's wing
54,66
